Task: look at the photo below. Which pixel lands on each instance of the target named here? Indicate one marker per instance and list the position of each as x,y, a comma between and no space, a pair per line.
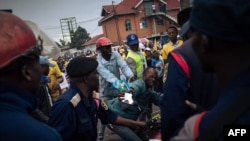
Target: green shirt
142,95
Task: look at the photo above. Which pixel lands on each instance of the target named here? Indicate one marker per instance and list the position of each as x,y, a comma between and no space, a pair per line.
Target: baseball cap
132,39
44,60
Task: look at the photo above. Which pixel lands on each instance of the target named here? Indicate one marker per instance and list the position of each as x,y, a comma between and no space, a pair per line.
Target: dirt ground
111,136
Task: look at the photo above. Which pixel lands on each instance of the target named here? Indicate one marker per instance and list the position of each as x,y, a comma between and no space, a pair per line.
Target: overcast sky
47,13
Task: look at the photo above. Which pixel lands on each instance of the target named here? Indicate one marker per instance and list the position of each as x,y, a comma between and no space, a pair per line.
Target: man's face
148,53
106,51
35,72
134,47
156,55
45,69
172,33
93,78
150,77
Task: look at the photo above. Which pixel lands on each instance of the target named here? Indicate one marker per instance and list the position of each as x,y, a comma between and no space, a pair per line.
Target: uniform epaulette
75,99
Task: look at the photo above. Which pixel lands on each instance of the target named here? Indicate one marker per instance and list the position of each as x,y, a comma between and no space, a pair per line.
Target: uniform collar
86,101
18,98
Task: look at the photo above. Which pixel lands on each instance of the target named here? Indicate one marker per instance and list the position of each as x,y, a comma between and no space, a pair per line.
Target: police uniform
16,123
193,84
222,35
73,115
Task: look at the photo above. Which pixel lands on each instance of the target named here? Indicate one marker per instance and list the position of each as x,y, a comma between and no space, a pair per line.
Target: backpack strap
215,129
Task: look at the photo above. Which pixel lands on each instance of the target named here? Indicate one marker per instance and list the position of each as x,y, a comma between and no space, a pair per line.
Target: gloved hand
119,85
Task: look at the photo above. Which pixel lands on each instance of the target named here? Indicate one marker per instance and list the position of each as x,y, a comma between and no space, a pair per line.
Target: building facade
146,18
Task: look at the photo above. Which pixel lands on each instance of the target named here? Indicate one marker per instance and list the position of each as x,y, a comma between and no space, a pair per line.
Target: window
143,23
148,7
127,25
159,21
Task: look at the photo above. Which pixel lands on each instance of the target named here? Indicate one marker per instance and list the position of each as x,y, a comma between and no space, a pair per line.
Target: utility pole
154,26
116,24
68,26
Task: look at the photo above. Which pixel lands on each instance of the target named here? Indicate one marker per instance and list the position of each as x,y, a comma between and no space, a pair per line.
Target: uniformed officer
193,84
222,47
74,114
20,74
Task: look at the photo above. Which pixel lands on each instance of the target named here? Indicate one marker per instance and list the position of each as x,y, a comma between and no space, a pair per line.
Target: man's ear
205,44
26,72
85,78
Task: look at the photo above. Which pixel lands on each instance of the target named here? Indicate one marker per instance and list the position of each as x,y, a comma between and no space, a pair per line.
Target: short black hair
173,28
16,65
147,70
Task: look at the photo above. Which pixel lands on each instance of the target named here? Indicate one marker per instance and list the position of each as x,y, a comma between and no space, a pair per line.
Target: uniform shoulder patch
104,105
75,99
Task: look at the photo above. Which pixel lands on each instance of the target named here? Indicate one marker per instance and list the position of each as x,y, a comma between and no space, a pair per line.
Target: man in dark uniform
74,115
185,81
20,74
220,39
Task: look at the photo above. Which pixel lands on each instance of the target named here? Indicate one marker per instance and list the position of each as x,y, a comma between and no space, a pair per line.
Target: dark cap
226,20
81,66
132,39
185,28
183,16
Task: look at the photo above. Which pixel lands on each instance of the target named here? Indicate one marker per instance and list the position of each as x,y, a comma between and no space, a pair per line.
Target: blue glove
121,86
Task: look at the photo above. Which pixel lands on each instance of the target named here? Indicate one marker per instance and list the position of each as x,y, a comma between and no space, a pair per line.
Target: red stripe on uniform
182,63
197,124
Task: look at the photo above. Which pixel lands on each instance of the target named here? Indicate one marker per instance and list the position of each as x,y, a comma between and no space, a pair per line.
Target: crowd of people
199,82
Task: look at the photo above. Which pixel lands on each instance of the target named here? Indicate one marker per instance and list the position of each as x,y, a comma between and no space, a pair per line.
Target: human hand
120,96
142,124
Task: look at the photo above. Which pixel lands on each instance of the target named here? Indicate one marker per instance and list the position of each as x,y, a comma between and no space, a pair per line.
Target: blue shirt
110,71
157,63
16,123
44,79
78,122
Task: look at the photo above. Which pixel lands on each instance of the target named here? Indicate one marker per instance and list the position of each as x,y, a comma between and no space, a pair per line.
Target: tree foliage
80,36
